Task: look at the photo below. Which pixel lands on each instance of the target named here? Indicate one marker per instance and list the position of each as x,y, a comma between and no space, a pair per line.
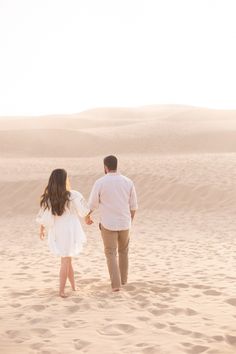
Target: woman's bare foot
63,295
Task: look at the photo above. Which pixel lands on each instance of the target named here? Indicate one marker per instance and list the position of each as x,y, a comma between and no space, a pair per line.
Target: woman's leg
63,275
71,274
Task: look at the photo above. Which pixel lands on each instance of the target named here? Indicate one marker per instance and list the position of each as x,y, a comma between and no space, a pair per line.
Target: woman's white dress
65,233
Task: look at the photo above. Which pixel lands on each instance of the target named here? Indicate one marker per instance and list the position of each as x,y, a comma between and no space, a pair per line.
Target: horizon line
10,116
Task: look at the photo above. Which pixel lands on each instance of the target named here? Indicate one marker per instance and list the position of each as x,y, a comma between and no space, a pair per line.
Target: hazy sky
64,56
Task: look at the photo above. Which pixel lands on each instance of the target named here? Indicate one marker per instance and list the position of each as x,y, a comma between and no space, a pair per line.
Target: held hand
88,220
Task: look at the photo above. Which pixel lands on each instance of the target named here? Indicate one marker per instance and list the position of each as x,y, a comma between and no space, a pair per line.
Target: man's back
115,196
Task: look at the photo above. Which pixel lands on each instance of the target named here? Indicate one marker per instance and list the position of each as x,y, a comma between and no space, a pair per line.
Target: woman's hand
42,233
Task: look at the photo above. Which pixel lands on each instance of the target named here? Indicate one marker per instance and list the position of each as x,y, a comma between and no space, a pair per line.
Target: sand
181,295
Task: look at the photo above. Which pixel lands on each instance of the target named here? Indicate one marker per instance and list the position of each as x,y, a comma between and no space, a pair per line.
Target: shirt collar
113,173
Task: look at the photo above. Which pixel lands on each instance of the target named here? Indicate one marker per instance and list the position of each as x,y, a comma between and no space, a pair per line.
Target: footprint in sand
151,350
197,349
143,318
197,335
186,344
80,344
218,338
69,324
42,332
159,325
158,290
18,294
75,308
76,300
157,312
190,312
231,301
15,305
47,280
140,345
205,287
181,285
109,319
35,320
212,292
231,340
162,306
117,329
38,308
179,311
13,333
179,330
37,345
196,295
130,288
140,298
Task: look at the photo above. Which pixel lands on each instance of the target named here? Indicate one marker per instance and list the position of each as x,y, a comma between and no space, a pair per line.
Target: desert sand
181,295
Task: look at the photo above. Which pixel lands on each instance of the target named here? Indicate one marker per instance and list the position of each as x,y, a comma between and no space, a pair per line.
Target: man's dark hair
111,162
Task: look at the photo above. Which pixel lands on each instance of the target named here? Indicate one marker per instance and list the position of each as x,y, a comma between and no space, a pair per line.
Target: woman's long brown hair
56,196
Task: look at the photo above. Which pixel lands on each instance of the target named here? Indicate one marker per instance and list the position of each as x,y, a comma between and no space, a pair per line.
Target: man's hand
88,220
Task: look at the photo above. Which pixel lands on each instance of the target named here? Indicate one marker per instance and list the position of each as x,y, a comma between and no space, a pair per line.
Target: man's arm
133,202
132,212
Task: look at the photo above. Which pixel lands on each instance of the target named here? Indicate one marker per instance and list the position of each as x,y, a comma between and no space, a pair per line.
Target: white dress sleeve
45,218
79,203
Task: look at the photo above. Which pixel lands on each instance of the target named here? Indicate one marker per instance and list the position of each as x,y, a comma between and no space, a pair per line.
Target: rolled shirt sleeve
133,203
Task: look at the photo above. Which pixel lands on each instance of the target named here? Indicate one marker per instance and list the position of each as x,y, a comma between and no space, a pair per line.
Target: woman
59,213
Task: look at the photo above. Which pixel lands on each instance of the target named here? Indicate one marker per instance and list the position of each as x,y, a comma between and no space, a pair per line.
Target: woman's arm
81,207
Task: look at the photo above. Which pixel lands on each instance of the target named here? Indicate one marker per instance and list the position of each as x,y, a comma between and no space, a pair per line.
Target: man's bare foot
63,295
115,289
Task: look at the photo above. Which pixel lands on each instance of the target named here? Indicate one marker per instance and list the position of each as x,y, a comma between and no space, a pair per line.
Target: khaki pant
118,269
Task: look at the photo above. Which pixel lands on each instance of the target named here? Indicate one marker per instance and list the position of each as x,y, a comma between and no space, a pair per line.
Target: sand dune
193,181
181,294
184,130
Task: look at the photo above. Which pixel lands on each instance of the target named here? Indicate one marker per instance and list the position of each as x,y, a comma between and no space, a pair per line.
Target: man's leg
123,248
110,240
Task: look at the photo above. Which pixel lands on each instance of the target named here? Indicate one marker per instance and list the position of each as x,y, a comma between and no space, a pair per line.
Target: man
115,197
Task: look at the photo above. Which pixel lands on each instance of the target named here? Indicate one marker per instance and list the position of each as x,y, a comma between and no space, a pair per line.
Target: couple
115,197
